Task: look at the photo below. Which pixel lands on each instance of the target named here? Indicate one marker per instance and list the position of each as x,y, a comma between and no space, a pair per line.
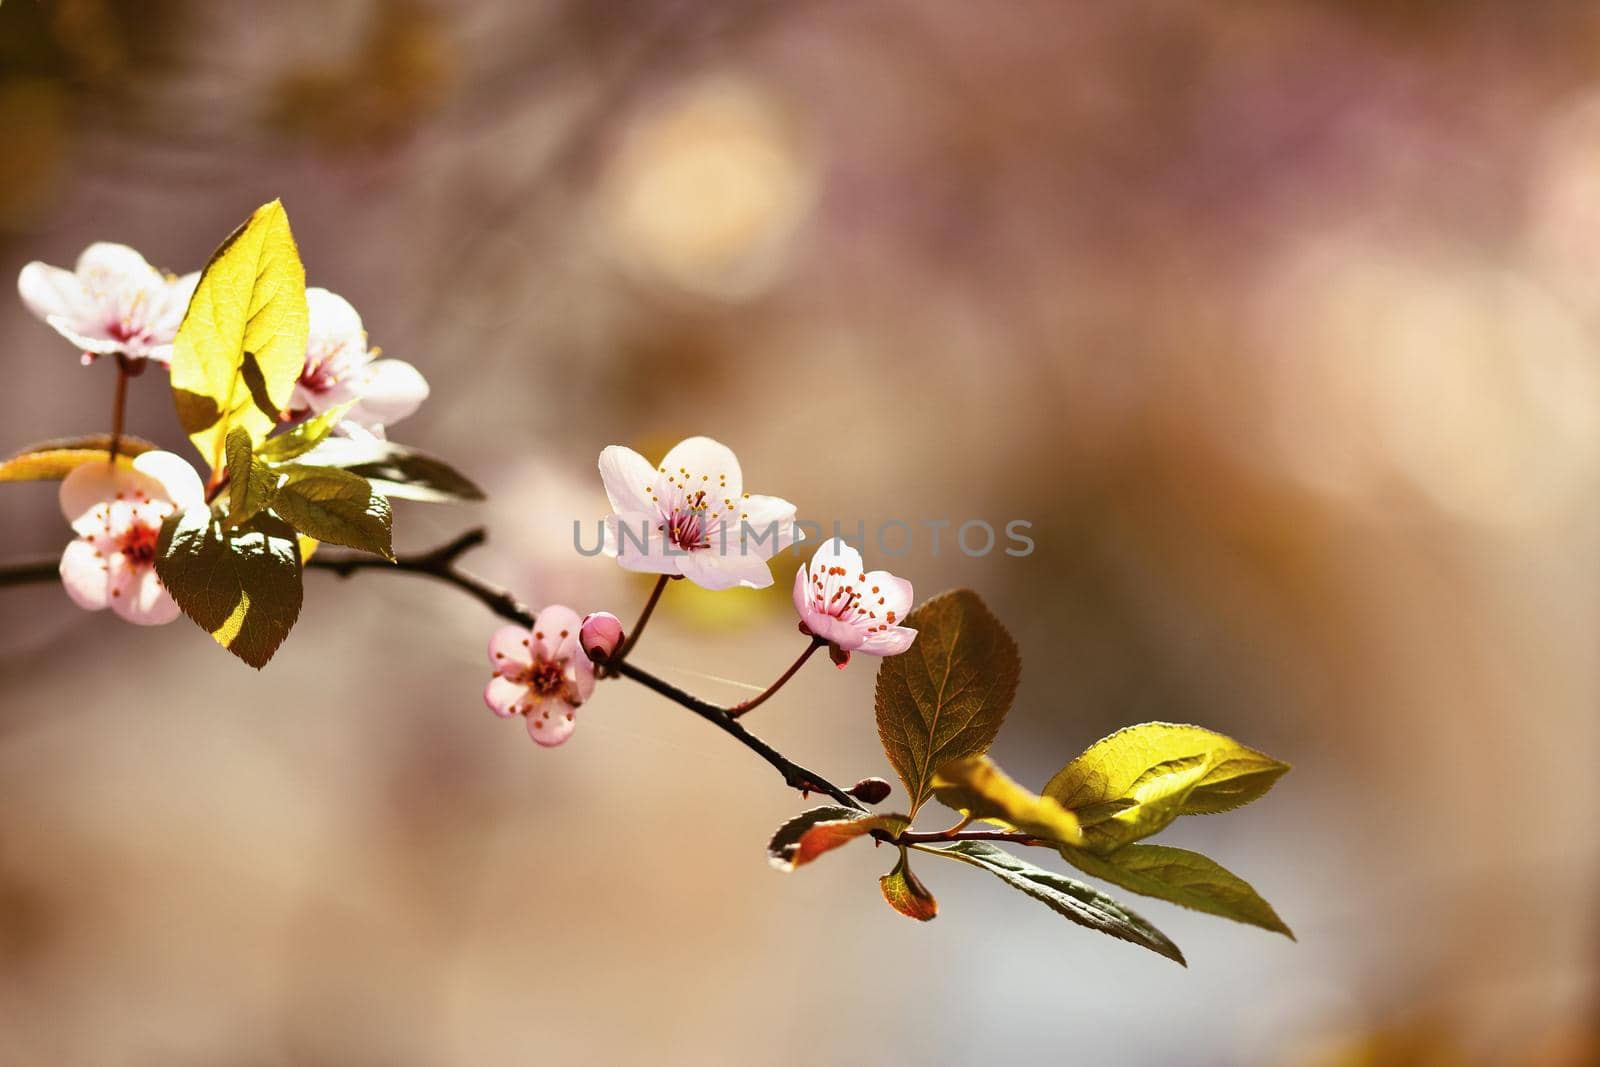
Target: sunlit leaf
304,437
51,461
1083,904
396,471
242,584
811,833
242,344
906,893
1156,772
979,789
1183,877
335,506
251,483
945,697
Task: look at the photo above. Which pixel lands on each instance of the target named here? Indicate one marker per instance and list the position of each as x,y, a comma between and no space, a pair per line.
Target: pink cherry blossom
117,513
540,674
112,302
600,636
853,609
340,369
690,516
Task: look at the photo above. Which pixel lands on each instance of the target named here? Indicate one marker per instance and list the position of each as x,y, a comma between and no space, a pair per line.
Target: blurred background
1279,322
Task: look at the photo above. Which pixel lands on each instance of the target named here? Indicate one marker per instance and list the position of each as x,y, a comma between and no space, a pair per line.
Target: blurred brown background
1278,321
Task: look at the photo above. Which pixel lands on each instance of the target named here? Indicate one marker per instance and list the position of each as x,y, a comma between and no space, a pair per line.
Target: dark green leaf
251,483
945,697
1182,877
397,471
1083,904
333,505
240,584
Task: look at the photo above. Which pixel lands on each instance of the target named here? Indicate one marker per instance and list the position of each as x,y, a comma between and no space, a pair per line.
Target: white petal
83,573
623,536
52,292
836,552
551,723
503,696
890,642
179,482
892,595
390,389
92,484
143,600
86,335
116,265
711,570
508,649
333,321
766,524
628,479
708,464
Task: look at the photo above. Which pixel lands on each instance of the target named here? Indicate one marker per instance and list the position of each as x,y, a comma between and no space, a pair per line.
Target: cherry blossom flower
117,513
540,674
853,609
600,636
690,516
340,369
112,302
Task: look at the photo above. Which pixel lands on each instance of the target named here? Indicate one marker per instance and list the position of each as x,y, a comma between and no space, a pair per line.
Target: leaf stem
794,668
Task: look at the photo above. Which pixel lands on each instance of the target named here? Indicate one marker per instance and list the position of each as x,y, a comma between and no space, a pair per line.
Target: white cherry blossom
340,368
111,302
851,608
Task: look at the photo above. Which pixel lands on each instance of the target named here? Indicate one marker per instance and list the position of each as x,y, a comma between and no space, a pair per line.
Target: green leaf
811,833
1083,904
396,471
240,584
1182,877
51,461
945,697
906,893
335,506
304,437
251,483
1156,772
979,789
242,344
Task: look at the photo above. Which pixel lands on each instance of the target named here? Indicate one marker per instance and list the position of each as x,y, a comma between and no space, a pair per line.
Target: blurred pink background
1278,322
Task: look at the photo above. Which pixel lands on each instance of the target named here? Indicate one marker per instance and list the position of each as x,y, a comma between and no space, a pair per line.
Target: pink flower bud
600,636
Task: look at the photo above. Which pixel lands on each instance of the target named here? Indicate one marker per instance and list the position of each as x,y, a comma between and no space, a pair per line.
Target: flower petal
390,389
333,320
766,525
628,479
884,593
890,642
112,267
87,336
555,633
700,462
52,292
551,723
180,483
623,536
503,696
508,650
140,597
84,574
712,570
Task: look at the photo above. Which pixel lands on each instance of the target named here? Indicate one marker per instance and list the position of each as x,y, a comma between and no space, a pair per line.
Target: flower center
138,544
687,528
545,677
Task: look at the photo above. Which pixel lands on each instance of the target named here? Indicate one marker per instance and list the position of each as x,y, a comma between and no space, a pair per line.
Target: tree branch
440,564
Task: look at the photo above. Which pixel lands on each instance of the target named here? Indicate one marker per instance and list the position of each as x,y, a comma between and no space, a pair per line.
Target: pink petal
702,463
94,485
628,477
551,723
894,594
333,321
555,633
503,696
88,337
179,482
390,390
84,574
139,596
580,672
508,650
802,594
890,642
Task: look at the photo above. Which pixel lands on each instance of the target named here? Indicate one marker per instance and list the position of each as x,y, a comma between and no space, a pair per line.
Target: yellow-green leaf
304,437
51,461
1139,779
336,506
905,892
811,833
979,789
1182,877
242,344
945,697
251,483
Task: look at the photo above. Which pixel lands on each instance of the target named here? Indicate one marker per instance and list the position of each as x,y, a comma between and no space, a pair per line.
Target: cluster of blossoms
689,517
114,303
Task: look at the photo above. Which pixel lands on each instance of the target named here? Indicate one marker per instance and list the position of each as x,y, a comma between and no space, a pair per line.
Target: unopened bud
600,636
870,790
840,657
